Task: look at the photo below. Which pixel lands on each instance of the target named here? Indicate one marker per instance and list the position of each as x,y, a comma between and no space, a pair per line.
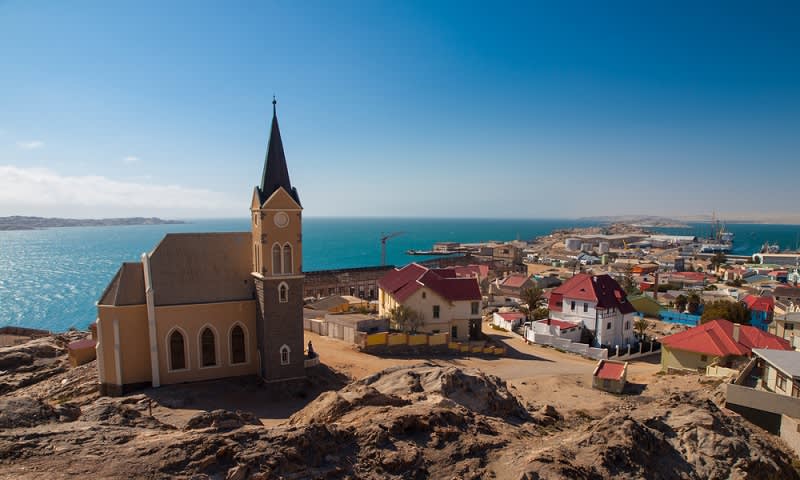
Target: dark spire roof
275,172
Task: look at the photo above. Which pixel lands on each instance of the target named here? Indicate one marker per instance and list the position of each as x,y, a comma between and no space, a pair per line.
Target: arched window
276,260
283,292
287,259
238,345
285,351
177,351
208,348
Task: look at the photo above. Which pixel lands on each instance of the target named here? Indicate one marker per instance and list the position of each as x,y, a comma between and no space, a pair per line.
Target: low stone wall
762,400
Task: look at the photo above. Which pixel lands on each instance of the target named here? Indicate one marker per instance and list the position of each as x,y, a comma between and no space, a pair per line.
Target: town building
444,302
513,285
787,294
646,305
360,281
202,306
788,259
597,302
610,376
508,320
786,326
780,371
717,342
762,310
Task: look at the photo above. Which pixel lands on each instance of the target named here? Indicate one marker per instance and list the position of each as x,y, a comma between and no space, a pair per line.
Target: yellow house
202,306
719,342
444,302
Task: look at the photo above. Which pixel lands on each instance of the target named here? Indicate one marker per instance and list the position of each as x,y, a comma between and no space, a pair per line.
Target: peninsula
33,223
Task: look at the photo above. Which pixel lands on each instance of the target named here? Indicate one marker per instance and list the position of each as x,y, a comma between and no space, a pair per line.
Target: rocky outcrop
422,421
683,436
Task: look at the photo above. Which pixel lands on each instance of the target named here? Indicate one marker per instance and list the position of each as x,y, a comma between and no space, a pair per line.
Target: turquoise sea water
51,278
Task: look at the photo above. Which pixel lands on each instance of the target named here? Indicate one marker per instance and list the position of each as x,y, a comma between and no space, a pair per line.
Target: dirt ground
540,374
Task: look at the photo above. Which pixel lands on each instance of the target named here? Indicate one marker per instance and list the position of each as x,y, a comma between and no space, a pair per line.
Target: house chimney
736,332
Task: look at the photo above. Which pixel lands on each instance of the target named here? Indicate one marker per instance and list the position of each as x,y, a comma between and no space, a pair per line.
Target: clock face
281,219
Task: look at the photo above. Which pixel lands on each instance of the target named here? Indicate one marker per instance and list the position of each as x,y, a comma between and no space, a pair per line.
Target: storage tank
604,247
572,244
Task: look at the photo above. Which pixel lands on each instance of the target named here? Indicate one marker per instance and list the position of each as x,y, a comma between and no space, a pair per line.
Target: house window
454,332
276,259
474,308
283,293
781,383
788,326
238,345
177,351
287,259
572,306
795,390
208,348
424,295
627,324
436,311
608,326
703,358
285,351
585,307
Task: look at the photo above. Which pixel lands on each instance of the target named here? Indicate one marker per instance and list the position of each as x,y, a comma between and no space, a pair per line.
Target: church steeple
276,174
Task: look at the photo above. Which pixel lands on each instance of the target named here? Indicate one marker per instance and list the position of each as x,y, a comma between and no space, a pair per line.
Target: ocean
51,278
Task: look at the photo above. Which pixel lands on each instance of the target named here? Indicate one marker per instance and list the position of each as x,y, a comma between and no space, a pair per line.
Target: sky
413,108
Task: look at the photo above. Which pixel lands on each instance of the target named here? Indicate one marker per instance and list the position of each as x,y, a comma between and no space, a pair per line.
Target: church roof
127,286
276,174
202,268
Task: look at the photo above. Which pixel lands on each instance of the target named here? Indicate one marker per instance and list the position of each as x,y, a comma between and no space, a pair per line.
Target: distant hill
34,223
639,220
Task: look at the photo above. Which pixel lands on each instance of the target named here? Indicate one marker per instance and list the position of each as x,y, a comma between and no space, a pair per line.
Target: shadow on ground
271,403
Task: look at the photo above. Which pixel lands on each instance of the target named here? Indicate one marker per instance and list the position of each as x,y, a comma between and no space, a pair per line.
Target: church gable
281,200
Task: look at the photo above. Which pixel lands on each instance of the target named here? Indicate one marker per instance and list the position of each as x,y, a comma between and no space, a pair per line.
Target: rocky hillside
425,421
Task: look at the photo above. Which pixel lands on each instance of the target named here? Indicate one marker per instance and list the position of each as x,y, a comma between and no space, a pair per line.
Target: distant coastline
36,223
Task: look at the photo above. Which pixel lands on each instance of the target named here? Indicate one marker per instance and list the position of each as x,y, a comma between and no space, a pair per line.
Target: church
202,306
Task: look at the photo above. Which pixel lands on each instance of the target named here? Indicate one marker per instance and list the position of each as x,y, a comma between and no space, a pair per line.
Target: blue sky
443,109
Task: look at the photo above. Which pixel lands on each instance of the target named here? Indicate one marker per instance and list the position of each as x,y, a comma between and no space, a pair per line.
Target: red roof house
602,289
761,304
444,302
717,339
610,375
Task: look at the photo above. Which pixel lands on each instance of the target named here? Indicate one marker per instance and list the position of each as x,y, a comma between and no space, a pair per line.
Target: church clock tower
276,221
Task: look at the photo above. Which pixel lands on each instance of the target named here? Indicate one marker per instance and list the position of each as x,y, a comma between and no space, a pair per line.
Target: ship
720,240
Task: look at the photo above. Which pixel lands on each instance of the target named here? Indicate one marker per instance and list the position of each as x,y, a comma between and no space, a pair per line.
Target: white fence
568,345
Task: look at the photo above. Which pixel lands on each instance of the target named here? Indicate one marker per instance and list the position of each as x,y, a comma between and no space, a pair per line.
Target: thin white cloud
32,145
130,159
40,189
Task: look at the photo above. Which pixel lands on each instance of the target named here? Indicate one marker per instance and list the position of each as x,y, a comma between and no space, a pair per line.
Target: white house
556,328
508,320
600,304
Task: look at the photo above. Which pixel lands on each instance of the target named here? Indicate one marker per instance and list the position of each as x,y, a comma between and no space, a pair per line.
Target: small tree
641,325
733,311
628,283
533,298
406,319
693,303
680,303
718,259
